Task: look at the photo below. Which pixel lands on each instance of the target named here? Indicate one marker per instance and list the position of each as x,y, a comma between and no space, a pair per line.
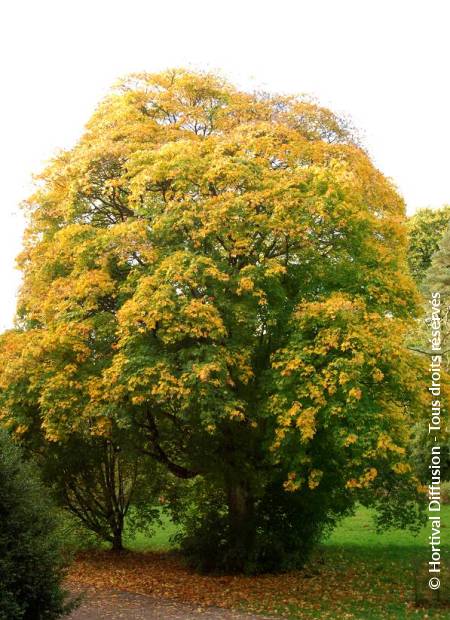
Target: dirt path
119,605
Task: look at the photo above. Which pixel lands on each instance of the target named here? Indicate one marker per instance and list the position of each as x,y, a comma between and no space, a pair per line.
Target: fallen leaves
341,587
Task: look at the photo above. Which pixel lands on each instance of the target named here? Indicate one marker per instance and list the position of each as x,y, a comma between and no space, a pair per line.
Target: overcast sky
386,63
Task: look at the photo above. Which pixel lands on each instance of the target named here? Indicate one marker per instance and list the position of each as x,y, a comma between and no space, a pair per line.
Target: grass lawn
356,573
160,541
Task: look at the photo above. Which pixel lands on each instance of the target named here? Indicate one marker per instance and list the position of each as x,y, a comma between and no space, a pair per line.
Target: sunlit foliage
223,274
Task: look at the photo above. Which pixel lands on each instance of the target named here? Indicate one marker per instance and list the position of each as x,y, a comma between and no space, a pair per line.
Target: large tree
224,275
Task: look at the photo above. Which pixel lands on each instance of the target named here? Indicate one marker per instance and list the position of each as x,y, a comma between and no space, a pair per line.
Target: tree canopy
224,275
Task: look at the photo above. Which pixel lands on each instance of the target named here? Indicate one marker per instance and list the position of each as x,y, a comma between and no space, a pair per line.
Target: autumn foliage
223,276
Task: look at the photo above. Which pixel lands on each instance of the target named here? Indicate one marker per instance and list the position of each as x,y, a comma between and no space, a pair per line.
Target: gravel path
119,605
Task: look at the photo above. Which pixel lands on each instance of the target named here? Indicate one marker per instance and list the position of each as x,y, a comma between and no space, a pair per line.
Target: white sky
386,63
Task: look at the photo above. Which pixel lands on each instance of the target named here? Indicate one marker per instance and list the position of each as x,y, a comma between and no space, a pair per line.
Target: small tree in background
438,280
101,479
98,480
429,251
425,230
31,562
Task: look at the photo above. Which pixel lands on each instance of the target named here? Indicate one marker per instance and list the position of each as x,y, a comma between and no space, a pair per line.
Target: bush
31,560
278,535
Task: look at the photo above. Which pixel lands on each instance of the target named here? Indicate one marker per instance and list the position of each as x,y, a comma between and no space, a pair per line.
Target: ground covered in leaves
344,588
357,574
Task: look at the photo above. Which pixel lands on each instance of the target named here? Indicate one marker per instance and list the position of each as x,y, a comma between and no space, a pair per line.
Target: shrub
31,560
278,534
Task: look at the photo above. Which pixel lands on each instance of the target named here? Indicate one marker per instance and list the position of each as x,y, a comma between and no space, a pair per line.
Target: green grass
159,541
359,529
355,531
390,567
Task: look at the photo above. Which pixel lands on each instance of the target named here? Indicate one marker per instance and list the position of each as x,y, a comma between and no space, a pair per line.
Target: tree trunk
238,505
240,513
117,544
